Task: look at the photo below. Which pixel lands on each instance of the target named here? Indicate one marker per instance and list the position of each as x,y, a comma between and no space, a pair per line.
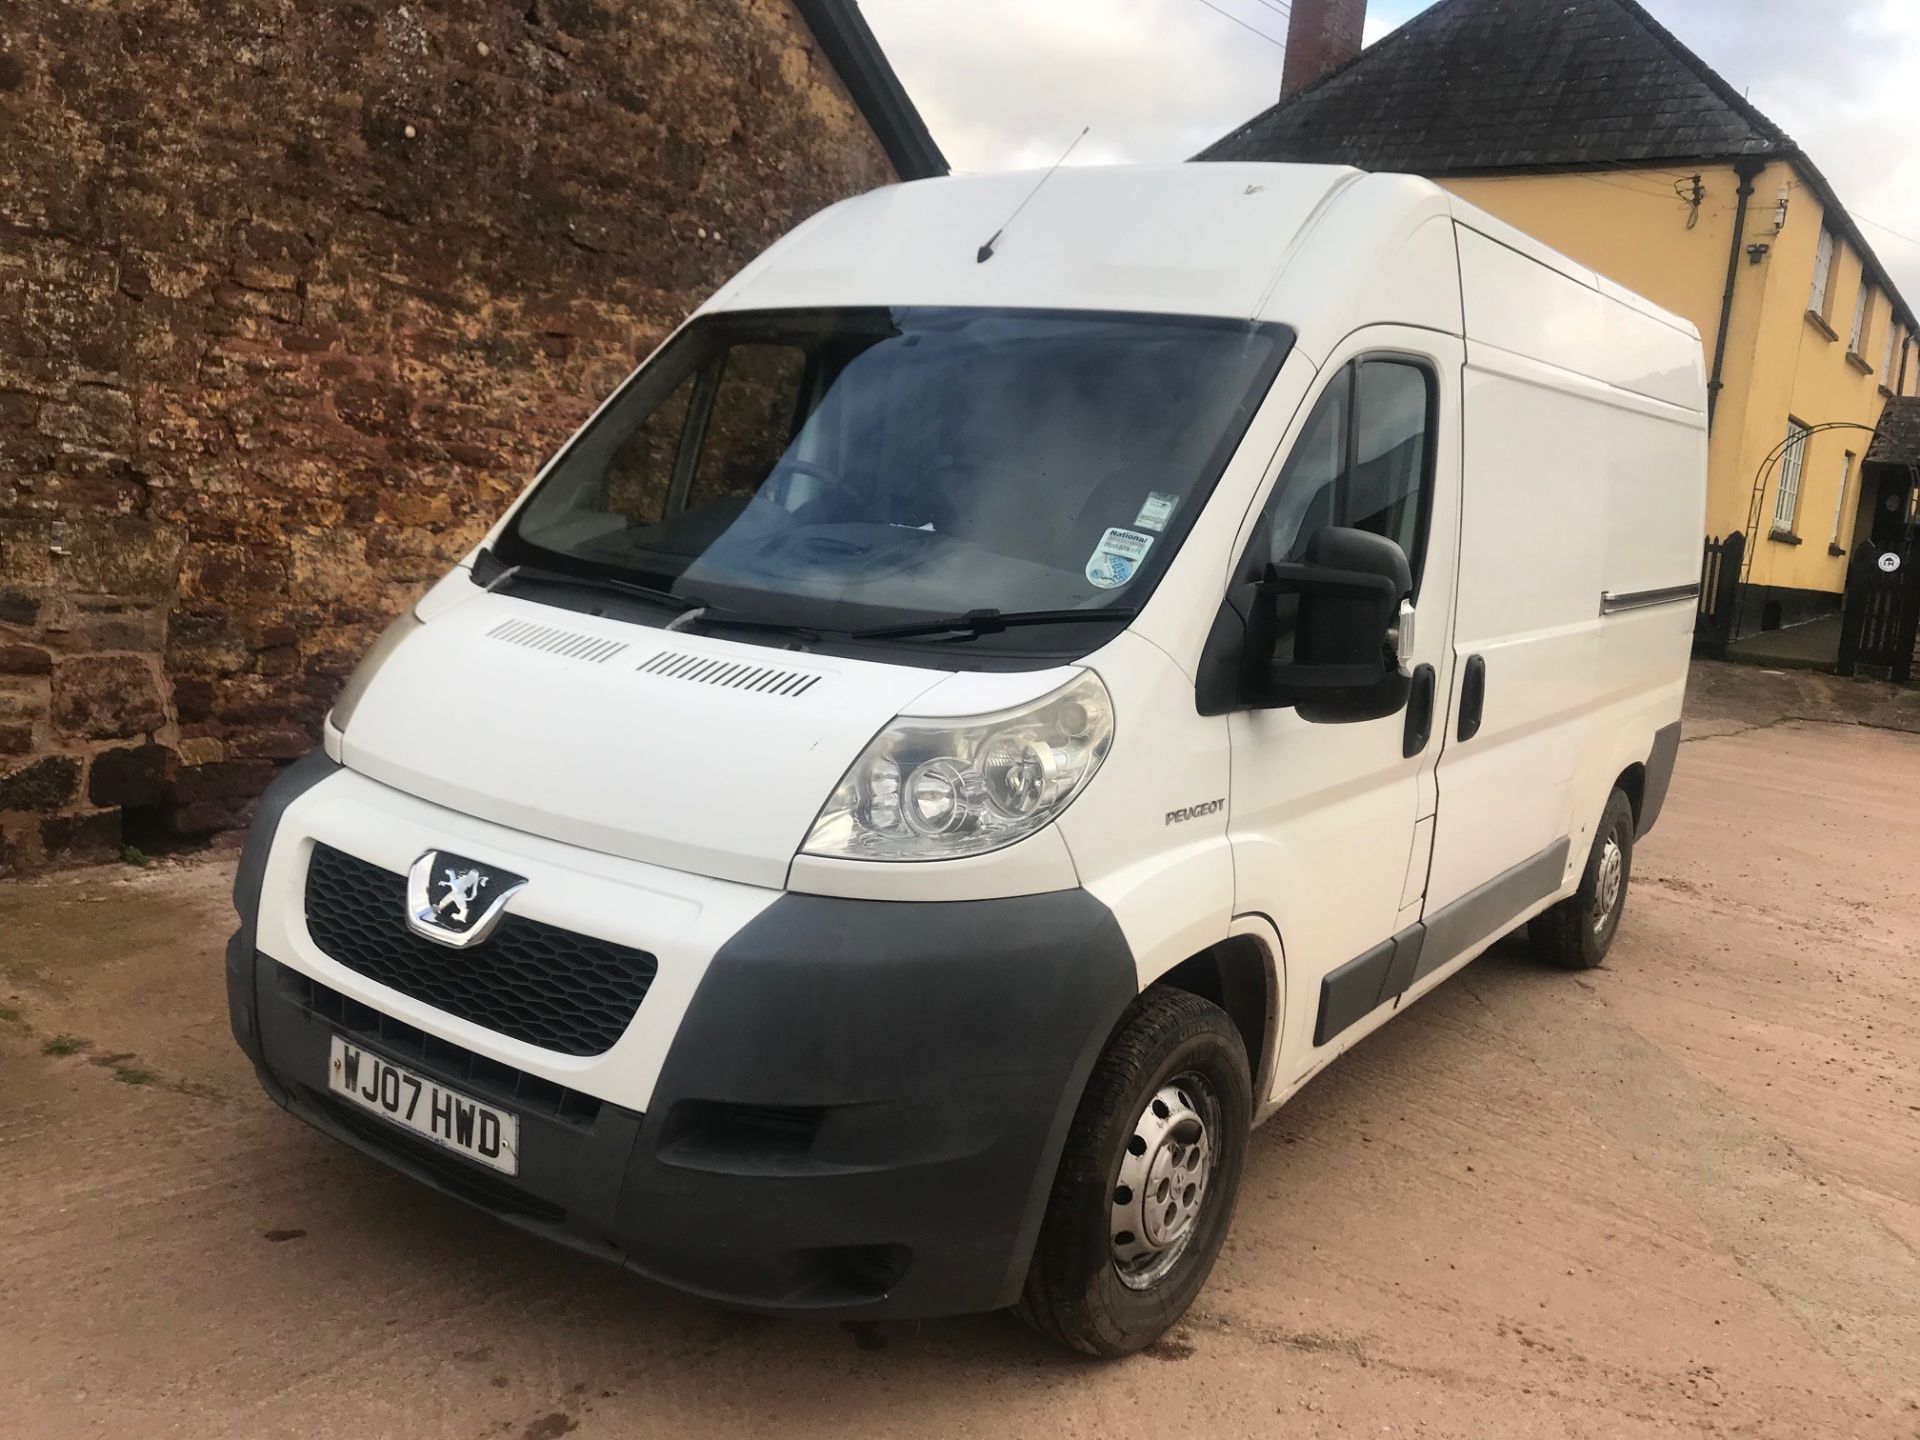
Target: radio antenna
985,252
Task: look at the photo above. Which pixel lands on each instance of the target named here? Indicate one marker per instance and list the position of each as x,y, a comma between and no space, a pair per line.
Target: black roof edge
1836,218
1783,147
1680,161
855,54
1713,79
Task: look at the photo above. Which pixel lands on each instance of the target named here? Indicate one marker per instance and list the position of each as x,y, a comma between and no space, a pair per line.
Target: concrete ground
1814,645
1677,1195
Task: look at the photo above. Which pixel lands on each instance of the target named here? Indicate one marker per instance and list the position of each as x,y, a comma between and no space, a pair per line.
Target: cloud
1006,84
1841,82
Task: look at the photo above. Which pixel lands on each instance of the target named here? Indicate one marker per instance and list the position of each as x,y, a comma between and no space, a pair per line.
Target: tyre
1146,1185
1577,933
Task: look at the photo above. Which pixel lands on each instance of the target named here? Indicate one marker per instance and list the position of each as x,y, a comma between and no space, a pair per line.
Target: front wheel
1577,933
1147,1181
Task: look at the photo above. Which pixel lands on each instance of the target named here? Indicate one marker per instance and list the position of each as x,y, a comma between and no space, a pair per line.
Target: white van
978,720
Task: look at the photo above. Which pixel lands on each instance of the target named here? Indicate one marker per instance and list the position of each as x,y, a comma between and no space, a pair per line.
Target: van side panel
1576,322
1583,477
1528,607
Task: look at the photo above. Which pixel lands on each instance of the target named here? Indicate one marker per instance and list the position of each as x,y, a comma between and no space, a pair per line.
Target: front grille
538,983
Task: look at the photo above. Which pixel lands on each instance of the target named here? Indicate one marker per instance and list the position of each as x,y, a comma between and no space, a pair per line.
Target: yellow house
1586,123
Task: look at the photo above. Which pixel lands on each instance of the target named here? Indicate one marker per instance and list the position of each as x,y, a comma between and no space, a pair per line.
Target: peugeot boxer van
977,721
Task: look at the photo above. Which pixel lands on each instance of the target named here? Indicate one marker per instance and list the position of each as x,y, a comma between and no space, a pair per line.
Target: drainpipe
1746,167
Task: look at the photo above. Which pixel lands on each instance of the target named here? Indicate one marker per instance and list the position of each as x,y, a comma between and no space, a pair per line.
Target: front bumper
859,1113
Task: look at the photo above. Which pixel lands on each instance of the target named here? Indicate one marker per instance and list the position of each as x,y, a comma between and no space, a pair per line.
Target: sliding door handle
1473,696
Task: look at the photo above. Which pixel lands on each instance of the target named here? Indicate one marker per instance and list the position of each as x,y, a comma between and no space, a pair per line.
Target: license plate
446,1117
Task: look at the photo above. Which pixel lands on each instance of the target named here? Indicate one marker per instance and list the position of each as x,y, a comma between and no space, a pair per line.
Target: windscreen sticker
1156,510
1117,556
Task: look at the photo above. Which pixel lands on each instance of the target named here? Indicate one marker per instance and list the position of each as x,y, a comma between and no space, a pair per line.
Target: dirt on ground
1680,1194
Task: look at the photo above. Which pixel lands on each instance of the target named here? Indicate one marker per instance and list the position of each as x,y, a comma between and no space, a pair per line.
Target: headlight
369,667
936,789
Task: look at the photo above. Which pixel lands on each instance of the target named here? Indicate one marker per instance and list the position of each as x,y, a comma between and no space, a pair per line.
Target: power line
1897,234
1631,189
1617,179
1279,7
1251,29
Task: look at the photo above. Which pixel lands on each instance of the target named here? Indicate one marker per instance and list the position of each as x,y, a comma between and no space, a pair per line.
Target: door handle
1419,712
1473,696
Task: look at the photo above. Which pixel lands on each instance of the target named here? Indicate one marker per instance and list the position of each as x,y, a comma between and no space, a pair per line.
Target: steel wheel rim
1612,875
1166,1170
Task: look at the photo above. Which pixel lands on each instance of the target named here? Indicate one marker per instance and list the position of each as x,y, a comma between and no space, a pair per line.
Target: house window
1887,376
1862,308
1787,502
1840,501
1822,275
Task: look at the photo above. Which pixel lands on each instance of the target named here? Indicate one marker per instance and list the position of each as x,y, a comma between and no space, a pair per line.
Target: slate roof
1506,86
1897,441
1512,84
854,52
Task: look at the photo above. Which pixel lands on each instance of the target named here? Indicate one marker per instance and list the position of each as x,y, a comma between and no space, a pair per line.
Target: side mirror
1347,598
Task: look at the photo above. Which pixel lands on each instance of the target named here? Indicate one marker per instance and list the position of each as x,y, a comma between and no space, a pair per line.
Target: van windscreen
858,469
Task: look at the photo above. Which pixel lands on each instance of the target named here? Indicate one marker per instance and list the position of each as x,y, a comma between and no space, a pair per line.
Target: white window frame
1840,503
1862,312
1886,352
1786,501
1822,274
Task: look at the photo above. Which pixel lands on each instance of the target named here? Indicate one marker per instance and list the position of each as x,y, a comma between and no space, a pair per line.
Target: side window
641,471
1391,403
755,408
1305,496
1360,462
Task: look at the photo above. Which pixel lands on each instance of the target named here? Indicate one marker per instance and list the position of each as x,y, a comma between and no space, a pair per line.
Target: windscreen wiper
991,622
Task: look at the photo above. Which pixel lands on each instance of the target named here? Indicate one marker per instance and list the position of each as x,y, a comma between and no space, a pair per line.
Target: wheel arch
1632,782
1244,975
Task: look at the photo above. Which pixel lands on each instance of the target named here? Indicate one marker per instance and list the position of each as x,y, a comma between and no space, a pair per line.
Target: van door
1540,442
1331,824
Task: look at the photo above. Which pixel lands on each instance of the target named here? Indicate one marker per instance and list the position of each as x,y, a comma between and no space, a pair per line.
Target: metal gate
1718,605
1882,611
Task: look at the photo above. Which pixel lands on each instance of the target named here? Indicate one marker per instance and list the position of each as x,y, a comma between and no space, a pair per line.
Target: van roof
1172,239
1246,241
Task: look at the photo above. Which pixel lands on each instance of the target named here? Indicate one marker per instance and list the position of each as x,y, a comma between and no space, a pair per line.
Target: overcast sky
1008,83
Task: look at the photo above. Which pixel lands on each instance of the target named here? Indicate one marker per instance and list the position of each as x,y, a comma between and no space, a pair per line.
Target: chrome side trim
1641,599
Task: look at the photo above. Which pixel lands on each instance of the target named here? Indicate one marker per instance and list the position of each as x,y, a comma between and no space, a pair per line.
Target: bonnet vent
567,644
729,674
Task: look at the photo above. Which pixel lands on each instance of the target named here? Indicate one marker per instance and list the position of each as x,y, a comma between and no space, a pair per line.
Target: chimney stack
1321,34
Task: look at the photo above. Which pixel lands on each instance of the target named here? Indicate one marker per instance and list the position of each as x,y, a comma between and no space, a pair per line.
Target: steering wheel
833,480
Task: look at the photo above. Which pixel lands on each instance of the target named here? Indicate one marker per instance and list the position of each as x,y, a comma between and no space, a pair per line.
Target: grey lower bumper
860,1115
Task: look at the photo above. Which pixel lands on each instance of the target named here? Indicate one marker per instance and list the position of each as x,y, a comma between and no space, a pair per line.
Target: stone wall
293,298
